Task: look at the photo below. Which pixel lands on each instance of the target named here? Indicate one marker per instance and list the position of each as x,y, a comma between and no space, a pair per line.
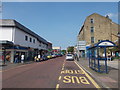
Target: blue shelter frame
95,58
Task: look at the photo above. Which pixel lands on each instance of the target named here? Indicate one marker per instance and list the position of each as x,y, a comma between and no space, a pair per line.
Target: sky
57,22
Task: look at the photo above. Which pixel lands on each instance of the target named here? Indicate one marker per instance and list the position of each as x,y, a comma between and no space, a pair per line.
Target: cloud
112,15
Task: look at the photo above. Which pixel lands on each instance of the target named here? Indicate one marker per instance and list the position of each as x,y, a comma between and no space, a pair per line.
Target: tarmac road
54,73
73,76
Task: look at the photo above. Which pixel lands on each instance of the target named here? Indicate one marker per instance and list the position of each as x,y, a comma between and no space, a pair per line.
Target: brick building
96,28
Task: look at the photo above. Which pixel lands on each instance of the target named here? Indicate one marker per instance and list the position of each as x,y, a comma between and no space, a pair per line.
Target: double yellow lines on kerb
93,82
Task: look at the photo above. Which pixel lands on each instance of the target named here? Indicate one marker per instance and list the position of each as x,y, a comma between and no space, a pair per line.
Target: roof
103,43
107,17
14,23
81,29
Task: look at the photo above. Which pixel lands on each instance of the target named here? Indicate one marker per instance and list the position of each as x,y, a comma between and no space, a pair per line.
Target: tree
63,51
70,49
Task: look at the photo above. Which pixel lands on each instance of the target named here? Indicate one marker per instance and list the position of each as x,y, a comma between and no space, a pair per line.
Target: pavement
110,80
9,65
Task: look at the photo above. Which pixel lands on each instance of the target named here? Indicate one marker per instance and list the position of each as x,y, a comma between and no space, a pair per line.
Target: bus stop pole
98,59
89,57
105,60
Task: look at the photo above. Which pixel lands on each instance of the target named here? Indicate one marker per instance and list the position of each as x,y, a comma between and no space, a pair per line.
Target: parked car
36,59
49,56
69,57
53,55
44,57
58,54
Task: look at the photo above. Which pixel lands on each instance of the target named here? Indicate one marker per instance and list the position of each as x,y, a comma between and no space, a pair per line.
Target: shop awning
5,42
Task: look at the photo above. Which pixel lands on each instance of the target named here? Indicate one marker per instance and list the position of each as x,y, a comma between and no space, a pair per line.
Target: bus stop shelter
98,56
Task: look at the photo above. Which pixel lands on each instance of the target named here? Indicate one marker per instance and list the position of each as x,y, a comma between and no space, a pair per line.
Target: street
54,73
61,45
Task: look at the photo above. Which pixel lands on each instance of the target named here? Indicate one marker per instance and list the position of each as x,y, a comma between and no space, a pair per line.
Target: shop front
4,53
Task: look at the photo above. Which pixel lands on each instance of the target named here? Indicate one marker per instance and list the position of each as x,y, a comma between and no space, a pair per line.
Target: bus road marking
72,72
57,86
59,78
75,79
94,83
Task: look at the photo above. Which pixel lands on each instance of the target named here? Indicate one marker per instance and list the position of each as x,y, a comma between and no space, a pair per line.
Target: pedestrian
16,59
35,58
22,58
39,57
103,55
109,57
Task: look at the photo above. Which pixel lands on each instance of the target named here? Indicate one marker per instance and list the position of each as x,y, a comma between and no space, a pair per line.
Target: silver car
69,57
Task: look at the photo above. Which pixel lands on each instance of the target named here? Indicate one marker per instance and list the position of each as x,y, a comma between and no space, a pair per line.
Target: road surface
54,73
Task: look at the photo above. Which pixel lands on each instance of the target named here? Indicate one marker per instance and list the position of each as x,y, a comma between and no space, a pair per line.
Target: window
92,39
92,29
33,40
26,38
92,21
30,39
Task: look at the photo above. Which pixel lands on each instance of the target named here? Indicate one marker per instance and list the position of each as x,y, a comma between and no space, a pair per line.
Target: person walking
109,57
39,57
16,59
35,58
22,58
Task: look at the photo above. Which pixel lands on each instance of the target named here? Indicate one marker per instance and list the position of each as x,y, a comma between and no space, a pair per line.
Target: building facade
81,48
56,50
17,39
49,45
96,28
